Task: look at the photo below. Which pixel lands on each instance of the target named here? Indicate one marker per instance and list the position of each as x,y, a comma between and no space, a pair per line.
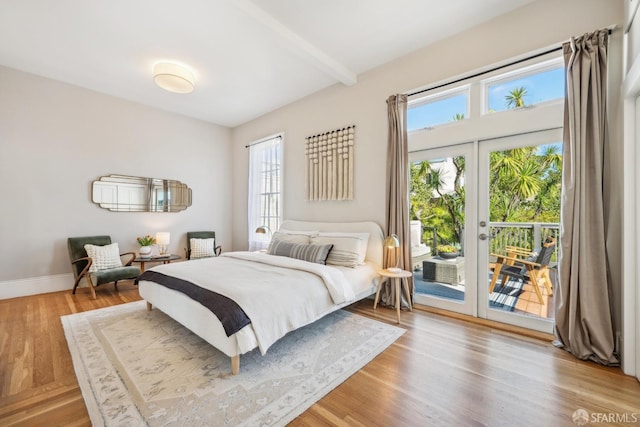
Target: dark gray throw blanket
230,314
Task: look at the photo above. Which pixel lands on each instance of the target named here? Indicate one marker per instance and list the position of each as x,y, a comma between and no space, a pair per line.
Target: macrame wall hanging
330,165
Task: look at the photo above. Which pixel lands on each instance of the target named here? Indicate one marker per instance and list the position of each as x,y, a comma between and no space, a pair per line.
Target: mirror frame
124,193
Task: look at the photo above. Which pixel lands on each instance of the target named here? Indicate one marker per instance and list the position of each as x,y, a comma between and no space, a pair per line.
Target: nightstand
165,259
396,277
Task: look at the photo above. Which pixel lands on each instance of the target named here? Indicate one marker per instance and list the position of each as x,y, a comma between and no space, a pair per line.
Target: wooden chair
81,264
202,235
526,265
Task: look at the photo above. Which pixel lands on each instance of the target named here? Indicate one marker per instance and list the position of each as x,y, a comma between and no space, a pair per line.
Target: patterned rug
506,297
143,368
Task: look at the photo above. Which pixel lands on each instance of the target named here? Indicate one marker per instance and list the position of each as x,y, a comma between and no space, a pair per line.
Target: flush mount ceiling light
173,77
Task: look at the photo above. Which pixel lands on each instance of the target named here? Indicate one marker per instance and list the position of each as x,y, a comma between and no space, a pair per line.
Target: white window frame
265,158
519,73
439,96
470,134
479,126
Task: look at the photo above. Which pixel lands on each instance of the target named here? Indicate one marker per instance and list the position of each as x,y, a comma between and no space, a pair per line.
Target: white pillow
349,249
303,232
279,236
202,248
104,257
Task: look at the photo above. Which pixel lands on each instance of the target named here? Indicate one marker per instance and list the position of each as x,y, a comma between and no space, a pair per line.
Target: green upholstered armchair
81,264
211,250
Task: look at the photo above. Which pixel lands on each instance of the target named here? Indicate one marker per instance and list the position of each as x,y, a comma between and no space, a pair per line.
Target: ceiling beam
299,45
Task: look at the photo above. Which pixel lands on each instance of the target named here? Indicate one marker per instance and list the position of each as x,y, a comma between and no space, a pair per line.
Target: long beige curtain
397,191
584,324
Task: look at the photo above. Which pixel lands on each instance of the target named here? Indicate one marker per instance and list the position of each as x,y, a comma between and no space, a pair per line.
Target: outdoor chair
201,244
99,261
526,265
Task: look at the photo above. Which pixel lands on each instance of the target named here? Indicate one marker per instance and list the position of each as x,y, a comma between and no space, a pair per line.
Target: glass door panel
444,265
519,219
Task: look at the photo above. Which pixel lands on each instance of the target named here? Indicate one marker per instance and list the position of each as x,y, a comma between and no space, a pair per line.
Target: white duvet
278,294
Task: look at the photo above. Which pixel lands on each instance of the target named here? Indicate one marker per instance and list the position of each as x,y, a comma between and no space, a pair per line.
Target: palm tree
458,116
432,205
515,98
524,184
420,188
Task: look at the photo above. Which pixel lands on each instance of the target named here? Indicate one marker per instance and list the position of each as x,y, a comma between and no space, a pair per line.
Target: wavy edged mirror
122,193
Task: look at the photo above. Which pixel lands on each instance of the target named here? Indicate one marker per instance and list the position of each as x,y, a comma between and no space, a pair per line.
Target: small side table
396,277
163,259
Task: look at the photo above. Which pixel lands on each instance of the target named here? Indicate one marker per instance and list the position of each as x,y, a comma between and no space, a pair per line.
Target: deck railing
528,235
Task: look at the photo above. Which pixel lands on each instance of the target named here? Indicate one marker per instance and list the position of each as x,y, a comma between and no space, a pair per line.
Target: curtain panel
397,194
584,323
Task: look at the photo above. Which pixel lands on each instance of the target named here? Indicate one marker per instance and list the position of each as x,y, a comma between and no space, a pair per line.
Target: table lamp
263,229
162,240
393,243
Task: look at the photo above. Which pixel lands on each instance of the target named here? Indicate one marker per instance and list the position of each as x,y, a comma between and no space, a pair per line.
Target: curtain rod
499,67
263,140
331,131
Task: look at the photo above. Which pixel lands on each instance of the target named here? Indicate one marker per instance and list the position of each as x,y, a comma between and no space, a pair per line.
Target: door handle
484,236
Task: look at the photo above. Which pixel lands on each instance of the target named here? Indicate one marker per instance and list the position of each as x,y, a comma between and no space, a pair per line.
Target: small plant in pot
145,243
447,251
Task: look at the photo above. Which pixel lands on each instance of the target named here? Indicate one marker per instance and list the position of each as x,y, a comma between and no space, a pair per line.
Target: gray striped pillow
289,238
304,251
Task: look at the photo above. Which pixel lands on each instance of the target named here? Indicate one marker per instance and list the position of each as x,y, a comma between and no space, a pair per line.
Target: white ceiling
249,57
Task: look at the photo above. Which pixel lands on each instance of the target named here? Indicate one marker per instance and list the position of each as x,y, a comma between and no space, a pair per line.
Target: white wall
55,139
633,36
533,27
630,350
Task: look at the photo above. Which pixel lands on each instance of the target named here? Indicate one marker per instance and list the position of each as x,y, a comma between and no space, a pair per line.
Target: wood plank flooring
444,371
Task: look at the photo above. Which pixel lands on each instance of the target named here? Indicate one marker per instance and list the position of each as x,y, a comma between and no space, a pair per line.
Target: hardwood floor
38,386
442,371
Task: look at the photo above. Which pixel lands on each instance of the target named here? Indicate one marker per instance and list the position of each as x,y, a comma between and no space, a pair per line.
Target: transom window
499,90
525,87
438,109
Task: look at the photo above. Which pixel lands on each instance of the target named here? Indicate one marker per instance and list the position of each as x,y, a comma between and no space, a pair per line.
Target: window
525,87
437,109
265,190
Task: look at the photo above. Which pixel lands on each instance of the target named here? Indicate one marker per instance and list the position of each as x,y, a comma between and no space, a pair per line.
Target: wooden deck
528,303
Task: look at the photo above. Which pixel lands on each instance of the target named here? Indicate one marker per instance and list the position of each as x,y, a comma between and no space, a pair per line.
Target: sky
540,87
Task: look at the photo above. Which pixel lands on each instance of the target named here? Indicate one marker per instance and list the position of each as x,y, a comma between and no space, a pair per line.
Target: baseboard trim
490,323
35,285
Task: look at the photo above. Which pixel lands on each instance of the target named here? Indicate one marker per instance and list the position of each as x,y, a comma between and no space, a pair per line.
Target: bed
277,293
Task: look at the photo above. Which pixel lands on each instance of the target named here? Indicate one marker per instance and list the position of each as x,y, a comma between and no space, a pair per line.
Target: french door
465,199
446,208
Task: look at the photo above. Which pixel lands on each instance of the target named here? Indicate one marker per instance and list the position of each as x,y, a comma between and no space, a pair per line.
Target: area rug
506,297
137,367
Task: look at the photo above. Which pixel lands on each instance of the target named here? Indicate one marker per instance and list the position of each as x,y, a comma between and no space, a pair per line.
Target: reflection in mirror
123,193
